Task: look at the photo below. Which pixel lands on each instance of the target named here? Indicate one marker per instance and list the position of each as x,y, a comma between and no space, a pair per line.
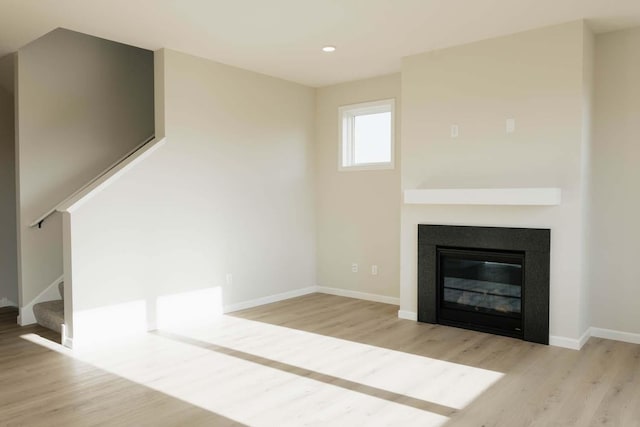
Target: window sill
367,167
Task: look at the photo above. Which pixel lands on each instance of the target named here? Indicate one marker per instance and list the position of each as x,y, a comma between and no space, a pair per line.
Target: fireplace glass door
481,290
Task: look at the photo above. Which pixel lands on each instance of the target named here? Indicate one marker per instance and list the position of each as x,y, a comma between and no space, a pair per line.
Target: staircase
50,314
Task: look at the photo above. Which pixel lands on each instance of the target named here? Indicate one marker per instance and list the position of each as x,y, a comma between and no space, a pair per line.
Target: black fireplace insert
481,289
490,279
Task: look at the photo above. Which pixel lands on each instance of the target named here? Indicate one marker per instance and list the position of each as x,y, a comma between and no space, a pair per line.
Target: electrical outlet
374,270
354,268
229,279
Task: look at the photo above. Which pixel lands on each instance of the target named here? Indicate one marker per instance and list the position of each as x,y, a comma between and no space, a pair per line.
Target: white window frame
346,118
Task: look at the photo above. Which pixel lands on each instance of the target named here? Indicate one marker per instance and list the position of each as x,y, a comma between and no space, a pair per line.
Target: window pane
372,138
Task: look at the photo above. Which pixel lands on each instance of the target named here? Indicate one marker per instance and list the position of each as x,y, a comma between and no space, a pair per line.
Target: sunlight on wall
185,309
261,374
108,323
189,308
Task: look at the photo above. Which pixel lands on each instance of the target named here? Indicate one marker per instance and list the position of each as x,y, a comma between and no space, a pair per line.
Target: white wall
615,284
8,243
230,192
537,78
588,108
83,102
357,212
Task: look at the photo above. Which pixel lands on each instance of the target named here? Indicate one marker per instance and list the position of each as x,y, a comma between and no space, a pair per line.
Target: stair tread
51,305
50,314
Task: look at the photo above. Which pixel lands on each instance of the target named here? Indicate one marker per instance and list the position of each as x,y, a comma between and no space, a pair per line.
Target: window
366,133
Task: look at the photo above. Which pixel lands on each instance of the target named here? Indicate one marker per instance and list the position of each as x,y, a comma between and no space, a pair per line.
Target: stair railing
38,222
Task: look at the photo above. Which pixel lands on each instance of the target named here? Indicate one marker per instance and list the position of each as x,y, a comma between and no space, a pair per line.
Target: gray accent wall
83,102
8,243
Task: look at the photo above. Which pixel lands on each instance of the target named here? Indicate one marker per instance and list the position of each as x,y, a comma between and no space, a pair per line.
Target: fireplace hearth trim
534,242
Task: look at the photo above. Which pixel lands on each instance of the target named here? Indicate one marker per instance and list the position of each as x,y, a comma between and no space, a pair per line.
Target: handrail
38,222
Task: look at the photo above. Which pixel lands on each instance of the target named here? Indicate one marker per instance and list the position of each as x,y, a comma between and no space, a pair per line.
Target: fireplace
480,288
490,279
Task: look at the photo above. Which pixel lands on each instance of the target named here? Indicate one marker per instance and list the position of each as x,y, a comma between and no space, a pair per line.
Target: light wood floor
317,360
41,387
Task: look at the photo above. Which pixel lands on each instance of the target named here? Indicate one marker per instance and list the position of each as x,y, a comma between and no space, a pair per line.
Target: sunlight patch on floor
248,392
441,382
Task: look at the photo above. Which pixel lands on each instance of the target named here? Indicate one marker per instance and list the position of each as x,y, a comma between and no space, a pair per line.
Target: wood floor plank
621,402
40,387
542,386
216,376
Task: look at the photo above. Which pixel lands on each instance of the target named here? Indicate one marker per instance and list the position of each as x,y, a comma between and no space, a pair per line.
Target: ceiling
283,38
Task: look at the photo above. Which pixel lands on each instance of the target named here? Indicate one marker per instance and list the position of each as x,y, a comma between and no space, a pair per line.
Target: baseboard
306,291
407,315
50,293
269,299
358,295
609,334
584,338
66,341
615,335
564,342
570,343
5,302
556,341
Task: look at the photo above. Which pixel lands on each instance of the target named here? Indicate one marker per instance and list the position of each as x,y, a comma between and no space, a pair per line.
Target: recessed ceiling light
329,49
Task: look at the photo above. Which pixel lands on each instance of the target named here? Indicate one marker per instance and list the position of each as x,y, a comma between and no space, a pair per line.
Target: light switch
511,125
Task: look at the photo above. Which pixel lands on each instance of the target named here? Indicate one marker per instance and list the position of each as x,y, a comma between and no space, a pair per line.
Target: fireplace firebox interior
480,289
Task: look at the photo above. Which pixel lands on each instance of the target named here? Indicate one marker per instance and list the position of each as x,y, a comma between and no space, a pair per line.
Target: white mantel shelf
484,196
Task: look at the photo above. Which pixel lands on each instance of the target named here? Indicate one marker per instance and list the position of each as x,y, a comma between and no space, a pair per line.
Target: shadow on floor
42,387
